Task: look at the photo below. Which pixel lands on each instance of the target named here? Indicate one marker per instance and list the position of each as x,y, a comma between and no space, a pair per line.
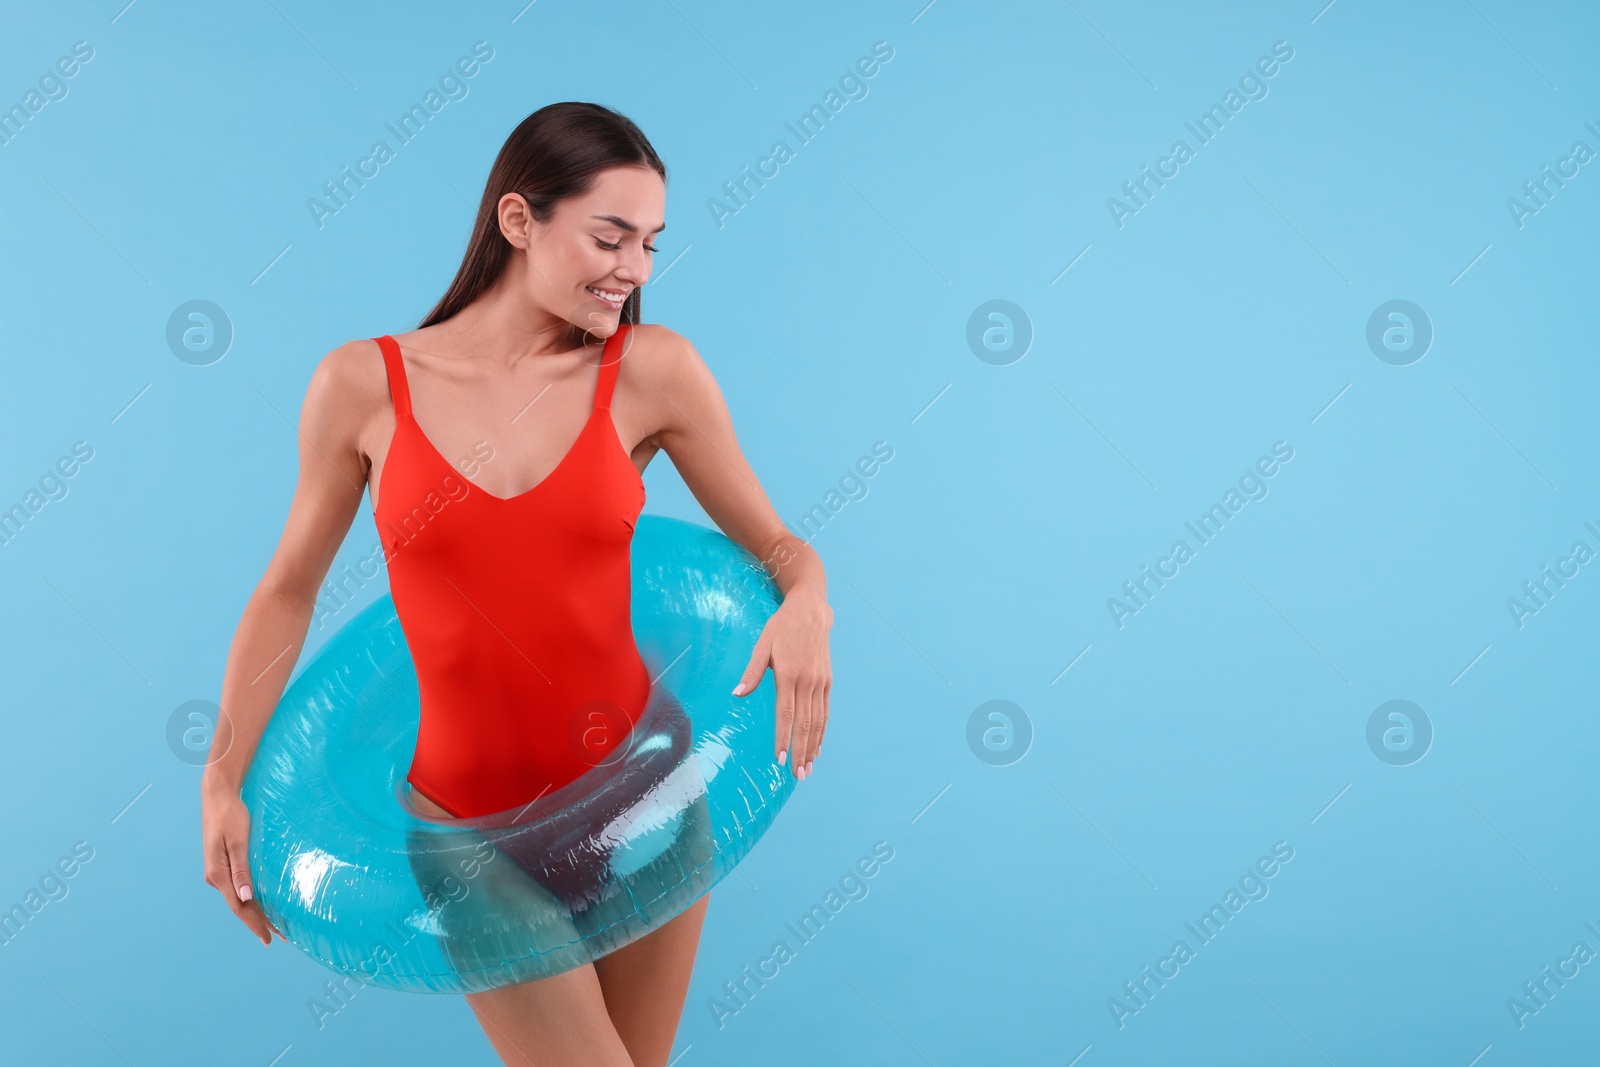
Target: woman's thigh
645,983
622,1010
560,1021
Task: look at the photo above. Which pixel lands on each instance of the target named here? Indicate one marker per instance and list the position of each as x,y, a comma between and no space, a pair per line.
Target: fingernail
782,757
738,690
244,892
808,768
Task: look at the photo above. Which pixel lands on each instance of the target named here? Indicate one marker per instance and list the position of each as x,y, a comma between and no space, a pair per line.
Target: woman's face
596,248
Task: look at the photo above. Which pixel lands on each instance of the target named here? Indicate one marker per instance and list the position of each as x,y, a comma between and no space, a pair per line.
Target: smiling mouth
611,298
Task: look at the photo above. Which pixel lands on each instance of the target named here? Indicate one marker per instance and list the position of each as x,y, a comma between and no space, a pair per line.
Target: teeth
607,295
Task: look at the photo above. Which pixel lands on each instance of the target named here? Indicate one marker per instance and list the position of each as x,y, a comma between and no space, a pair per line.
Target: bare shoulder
673,389
347,391
665,359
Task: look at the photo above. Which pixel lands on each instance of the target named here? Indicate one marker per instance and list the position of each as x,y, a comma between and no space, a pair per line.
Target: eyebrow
625,224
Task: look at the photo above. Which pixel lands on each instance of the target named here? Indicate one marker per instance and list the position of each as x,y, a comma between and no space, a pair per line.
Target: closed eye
613,248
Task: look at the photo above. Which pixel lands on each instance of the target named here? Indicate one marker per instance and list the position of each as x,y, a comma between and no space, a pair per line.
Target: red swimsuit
516,610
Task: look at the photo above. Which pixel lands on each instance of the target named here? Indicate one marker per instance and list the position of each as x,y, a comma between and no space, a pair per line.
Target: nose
635,266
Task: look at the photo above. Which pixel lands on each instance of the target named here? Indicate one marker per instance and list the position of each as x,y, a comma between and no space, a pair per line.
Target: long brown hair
553,154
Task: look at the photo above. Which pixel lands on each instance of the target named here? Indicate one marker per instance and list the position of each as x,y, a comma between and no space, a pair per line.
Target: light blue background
1229,313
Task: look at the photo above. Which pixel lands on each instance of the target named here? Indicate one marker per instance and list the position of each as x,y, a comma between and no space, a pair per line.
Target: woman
503,455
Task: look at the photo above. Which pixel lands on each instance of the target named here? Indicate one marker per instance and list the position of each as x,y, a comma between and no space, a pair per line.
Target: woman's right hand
225,839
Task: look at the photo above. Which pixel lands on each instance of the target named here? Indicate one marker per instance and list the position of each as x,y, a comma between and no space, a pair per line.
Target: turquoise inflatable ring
347,869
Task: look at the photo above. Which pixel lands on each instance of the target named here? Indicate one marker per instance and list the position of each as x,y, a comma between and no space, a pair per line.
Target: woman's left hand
795,643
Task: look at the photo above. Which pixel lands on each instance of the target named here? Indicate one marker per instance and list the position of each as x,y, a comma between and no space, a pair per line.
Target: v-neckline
403,395
423,434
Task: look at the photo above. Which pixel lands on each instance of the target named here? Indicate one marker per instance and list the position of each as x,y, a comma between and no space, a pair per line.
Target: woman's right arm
340,401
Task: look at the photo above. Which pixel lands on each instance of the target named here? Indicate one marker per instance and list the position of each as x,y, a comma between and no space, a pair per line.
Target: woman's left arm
696,431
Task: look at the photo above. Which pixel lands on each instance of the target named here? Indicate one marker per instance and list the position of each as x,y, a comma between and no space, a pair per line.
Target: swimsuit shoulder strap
395,367
610,363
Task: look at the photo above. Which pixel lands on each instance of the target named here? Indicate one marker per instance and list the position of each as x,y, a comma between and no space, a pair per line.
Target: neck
507,323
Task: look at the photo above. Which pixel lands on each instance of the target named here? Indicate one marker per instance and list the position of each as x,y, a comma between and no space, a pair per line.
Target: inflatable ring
347,869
